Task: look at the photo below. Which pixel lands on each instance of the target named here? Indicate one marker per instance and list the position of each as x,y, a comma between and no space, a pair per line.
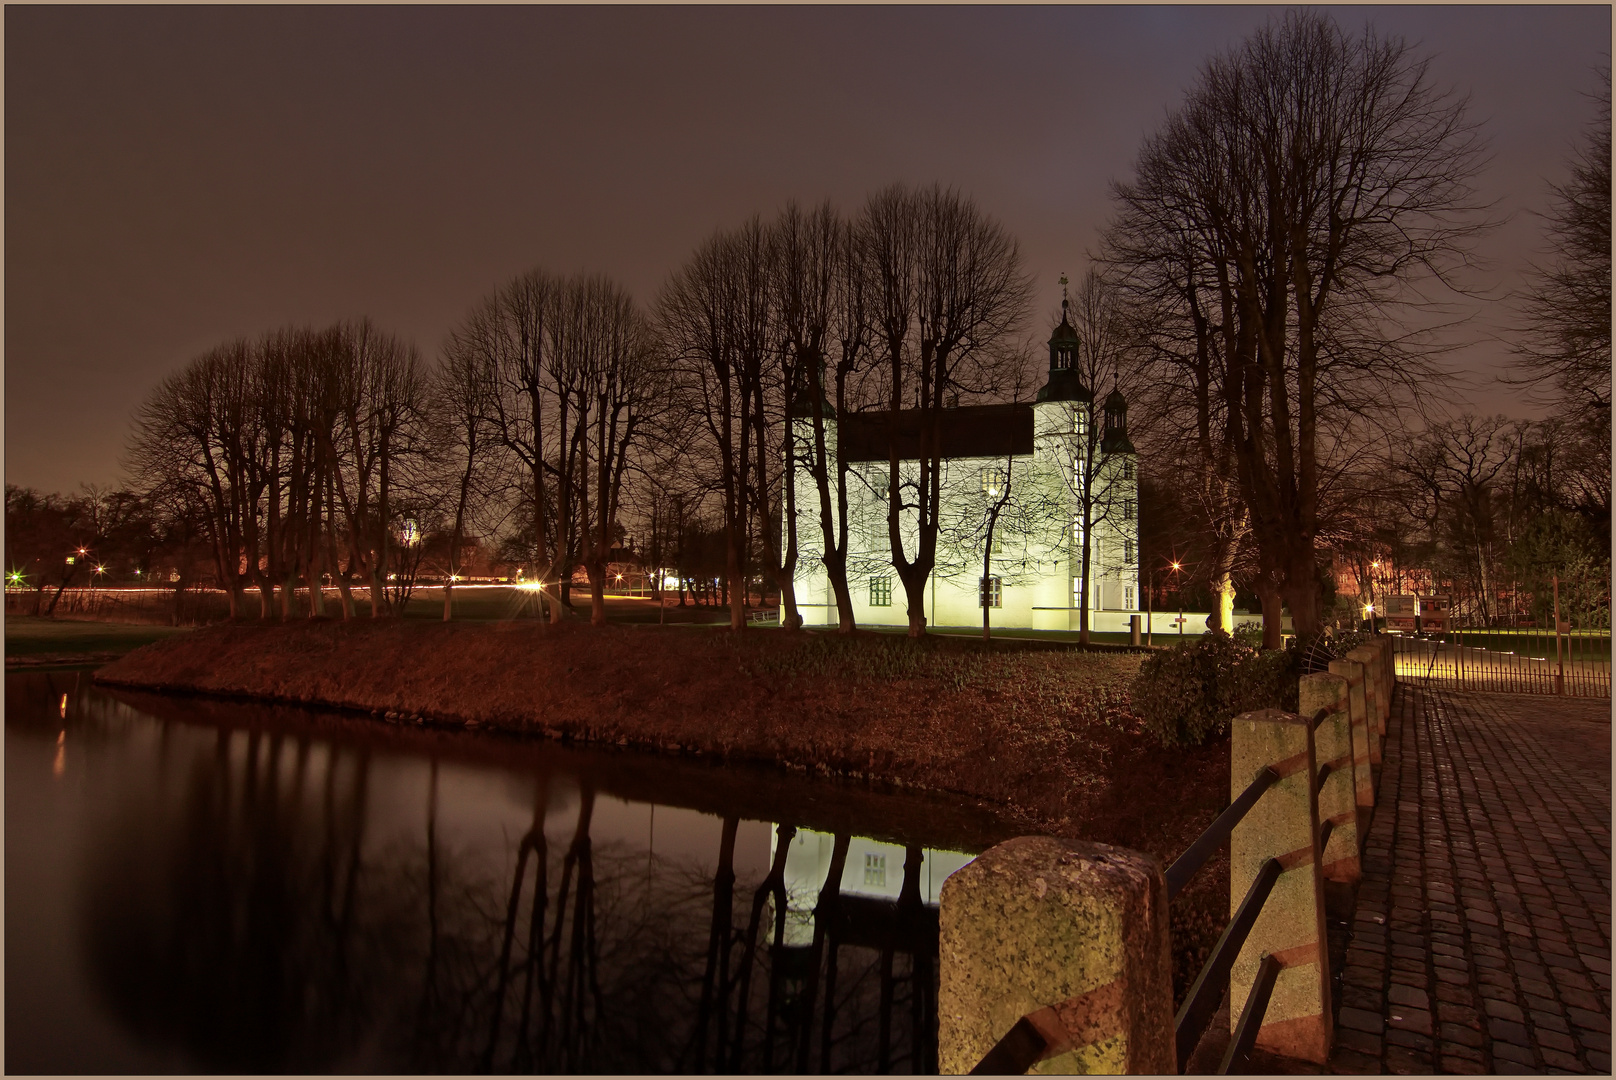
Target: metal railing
1522,660
1024,1045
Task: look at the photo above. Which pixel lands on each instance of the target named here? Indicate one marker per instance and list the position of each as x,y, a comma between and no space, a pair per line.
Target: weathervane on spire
1063,297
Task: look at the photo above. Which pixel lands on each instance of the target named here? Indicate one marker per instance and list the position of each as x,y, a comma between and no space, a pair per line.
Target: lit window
880,592
875,870
993,481
1077,529
1077,474
1080,423
990,593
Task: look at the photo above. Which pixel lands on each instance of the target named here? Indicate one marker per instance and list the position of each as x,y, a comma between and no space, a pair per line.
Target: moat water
201,886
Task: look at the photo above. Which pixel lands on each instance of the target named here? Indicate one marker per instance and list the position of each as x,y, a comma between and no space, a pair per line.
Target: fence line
1079,931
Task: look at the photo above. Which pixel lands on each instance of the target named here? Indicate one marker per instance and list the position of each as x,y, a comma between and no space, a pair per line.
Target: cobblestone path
1481,938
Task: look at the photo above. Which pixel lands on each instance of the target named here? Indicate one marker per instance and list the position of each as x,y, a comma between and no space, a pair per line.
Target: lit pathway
1481,940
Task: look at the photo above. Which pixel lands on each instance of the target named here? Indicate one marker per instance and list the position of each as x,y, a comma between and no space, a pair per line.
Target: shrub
1189,693
1249,635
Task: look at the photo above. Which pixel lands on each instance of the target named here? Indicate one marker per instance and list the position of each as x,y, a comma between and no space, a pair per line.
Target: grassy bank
1044,734
39,641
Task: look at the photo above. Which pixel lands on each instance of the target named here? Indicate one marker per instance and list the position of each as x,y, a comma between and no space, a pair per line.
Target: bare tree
621,380
459,402
821,283
945,293
1100,492
1319,179
714,317
510,333
1567,334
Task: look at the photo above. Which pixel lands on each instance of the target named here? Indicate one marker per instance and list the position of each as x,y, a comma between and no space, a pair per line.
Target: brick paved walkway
1481,939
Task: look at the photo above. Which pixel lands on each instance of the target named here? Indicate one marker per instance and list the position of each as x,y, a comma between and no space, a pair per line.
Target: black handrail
1185,866
1324,774
1324,837
1251,1017
1202,1002
1021,1048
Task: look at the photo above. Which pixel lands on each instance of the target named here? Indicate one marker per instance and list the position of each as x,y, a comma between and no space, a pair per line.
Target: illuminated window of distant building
990,593
880,592
1127,468
875,870
993,481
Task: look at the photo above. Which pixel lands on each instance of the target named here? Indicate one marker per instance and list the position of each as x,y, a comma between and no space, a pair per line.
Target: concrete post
1071,935
1133,629
1369,657
1283,824
1365,741
1332,745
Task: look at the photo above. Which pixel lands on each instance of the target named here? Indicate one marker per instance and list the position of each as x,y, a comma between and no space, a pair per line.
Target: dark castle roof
968,431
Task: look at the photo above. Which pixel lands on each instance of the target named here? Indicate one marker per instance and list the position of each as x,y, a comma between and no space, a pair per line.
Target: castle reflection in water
217,887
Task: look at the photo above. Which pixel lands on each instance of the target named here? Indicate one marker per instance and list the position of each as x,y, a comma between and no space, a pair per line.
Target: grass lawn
28,635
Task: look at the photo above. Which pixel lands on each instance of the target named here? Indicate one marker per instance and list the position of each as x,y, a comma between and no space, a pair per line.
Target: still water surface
209,886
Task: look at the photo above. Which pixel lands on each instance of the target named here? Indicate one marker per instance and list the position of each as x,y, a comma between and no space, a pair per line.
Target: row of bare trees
293,451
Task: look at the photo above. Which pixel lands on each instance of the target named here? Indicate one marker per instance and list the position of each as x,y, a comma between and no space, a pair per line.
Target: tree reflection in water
246,905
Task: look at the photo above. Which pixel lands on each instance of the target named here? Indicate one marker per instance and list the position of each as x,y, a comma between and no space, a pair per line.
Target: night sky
179,176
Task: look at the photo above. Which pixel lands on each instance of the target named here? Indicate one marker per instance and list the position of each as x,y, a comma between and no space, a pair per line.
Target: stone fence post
1365,739
1283,824
1374,694
1338,797
1070,935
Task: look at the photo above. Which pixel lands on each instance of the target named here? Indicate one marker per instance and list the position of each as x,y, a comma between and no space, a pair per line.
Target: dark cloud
179,175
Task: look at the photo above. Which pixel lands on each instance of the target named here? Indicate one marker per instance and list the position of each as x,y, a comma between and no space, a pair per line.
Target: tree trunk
597,594
1272,612
914,591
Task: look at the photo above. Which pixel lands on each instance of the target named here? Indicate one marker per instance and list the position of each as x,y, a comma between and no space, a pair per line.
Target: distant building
1037,559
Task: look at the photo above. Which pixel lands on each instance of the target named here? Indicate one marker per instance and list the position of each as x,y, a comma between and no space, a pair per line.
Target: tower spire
1063,297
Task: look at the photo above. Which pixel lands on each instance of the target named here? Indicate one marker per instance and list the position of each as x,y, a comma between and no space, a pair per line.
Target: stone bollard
1071,935
1283,824
1369,657
1333,746
1365,741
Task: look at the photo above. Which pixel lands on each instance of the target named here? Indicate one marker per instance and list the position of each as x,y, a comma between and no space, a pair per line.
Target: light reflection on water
207,886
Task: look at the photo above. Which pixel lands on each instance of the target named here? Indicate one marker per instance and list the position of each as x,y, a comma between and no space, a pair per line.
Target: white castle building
1044,453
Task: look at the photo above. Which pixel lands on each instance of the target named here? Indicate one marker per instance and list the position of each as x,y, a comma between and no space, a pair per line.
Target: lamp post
1177,588
1373,566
